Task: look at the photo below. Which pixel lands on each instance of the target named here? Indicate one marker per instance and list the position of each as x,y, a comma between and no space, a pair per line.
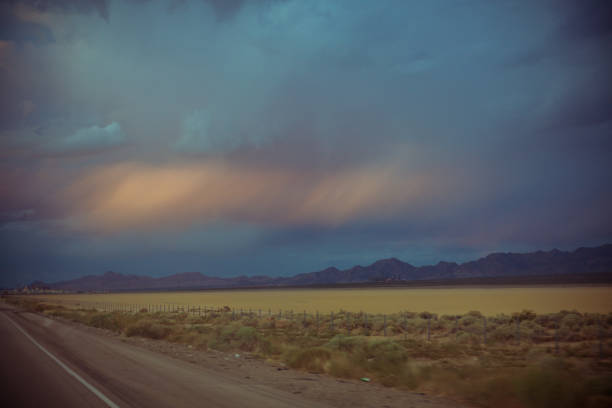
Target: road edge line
80,379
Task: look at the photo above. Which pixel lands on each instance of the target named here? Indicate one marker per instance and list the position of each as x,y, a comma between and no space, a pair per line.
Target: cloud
90,139
17,215
356,124
201,134
225,9
588,19
135,195
14,29
100,7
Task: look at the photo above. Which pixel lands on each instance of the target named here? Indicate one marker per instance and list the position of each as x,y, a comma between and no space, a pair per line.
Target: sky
275,137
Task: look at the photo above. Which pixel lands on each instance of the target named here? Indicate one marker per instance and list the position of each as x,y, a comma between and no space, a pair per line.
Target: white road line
65,367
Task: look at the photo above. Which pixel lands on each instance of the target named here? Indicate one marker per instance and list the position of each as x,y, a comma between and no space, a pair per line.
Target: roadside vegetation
520,360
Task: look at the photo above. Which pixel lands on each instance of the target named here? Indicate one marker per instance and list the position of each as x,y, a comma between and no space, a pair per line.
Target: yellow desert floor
443,300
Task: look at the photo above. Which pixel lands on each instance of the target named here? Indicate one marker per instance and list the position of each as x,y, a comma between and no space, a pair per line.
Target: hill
589,262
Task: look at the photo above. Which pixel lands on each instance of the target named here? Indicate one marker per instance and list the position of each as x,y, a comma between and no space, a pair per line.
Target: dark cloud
225,9
587,19
585,106
78,6
14,29
313,133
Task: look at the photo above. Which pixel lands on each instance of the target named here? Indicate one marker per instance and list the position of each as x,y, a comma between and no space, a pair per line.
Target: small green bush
247,338
343,343
148,328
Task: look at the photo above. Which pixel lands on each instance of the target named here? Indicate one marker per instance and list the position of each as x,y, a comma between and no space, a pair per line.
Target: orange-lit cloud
137,195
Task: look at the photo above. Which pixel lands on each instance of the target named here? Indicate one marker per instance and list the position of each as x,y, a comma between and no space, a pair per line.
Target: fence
519,329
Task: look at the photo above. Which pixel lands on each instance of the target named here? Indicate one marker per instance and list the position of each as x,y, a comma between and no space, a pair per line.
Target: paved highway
45,363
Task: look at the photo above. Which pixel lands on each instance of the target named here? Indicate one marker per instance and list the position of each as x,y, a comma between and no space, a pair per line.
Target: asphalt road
45,363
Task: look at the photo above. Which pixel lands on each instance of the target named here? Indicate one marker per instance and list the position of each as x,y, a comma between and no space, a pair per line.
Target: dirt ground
316,387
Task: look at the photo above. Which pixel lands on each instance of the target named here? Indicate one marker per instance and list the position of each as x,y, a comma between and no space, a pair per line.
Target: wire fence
522,328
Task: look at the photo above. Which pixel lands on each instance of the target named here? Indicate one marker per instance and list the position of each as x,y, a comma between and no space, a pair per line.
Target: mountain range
582,261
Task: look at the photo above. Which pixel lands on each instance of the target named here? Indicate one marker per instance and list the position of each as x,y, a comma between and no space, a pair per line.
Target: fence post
385,325
601,336
557,338
484,329
456,328
233,314
304,320
428,327
348,322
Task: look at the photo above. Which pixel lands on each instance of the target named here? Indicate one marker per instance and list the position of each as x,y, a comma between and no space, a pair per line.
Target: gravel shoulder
243,368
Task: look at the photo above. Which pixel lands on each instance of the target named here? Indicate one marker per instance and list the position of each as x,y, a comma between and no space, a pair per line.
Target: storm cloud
296,135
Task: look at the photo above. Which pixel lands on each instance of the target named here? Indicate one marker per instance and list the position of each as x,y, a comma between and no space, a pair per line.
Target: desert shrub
571,321
377,326
386,356
449,349
176,335
246,338
500,319
524,315
341,342
388,361
549,321
428,315
268,323
108,321
589,332
550,387
226,333
436,325
148,328
345,366
312,359
467,337
502,334
42,307
269,347
470,320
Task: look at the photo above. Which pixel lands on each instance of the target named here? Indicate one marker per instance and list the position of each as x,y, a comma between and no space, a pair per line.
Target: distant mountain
583,261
